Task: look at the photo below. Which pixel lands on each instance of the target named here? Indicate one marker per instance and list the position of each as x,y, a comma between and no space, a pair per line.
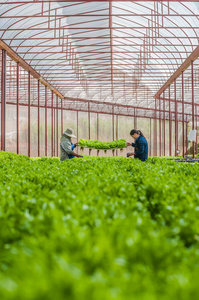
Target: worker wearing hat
66,146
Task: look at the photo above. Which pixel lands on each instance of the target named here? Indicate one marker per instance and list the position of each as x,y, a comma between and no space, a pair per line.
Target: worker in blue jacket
66,145
141,145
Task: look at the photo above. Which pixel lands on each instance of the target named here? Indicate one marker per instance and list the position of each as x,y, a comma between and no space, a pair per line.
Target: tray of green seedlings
186,159
98,145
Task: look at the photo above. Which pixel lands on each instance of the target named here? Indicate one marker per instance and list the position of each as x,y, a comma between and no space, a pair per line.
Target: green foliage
102,145
98,229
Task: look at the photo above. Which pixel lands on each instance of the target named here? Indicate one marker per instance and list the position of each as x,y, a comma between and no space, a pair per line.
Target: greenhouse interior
114,85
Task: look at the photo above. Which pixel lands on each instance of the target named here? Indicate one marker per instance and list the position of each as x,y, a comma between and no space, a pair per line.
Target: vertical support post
186,135
170,124
113,127
160,129
62,125
17,107
89,125
57,126
77,128
193,105
38,90
164,133
176,120
155,130
150,137
97,126
89,122
196,115
3,101
29,113
46,123
97,131
116,132
52,125
183,139
54,129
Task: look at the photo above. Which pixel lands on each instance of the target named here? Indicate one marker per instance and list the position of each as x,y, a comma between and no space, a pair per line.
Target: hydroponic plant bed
101,149
98,228
186,160
98,145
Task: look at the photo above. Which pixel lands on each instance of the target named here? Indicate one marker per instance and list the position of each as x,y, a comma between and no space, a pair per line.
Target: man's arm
75,154
130,154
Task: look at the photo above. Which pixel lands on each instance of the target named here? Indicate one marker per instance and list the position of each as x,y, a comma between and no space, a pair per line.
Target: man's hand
77,155
130,154
128,144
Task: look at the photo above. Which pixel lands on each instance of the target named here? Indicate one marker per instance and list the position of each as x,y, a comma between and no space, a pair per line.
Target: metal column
77,129
196,114
192,89
29,113
17,108
57,125
3,101
150,137
183,139
38,90
160,129
164,133
186,135
117,132
54,137
113,128
46,123
176,119
97,131
170,125
62,125
155,130
89,125
52,126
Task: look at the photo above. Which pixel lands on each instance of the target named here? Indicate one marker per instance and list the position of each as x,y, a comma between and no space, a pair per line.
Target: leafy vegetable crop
102,145
98,229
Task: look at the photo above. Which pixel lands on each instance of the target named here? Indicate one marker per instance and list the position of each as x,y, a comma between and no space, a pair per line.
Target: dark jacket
73,146
141,148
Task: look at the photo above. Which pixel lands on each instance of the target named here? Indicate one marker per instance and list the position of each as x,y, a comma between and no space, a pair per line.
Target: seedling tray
189,160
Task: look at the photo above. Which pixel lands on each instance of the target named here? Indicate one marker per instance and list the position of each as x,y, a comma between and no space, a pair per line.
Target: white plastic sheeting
121,52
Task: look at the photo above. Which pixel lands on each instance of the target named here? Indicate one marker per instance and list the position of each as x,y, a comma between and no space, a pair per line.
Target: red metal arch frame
102,74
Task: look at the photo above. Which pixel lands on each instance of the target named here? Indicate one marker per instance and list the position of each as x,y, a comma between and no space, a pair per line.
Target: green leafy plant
98,228
102,145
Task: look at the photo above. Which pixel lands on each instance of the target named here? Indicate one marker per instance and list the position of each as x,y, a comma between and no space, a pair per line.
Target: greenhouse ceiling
117,52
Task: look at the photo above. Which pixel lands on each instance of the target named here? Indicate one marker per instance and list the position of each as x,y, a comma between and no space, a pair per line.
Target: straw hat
69,132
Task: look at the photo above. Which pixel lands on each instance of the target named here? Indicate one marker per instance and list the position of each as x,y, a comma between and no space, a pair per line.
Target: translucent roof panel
119,52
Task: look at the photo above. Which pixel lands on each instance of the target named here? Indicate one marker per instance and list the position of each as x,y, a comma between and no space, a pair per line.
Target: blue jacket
72,148
141,148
